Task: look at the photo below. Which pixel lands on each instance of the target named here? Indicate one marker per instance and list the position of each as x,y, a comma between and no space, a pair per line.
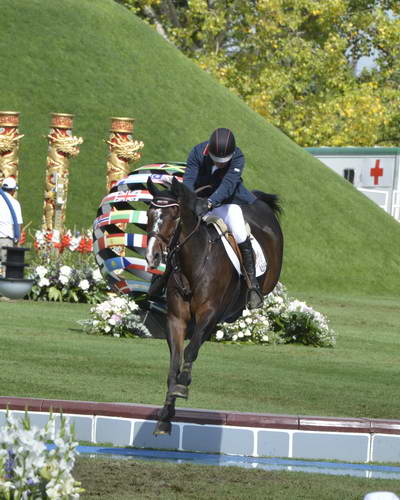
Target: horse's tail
272,200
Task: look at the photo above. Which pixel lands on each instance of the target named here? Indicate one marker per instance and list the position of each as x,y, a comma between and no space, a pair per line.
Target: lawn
46,354
125,479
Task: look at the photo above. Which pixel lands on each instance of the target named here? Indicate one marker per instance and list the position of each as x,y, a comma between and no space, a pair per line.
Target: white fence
382,199
396,205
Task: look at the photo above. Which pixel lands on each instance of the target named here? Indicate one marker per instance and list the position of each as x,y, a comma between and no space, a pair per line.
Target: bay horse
203,288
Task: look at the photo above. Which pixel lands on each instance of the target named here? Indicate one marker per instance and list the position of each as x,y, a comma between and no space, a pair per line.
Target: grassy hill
95,59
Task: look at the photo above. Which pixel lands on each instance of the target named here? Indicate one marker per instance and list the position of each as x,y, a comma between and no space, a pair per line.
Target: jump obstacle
359,440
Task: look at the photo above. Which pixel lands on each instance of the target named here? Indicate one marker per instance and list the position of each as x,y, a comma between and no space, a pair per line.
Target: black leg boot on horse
254,295
159,284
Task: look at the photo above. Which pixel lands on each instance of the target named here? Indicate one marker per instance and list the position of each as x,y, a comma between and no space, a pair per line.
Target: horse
196,299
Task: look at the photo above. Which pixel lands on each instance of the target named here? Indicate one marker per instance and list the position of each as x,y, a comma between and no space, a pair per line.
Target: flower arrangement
279,321
44,241
57,282
68,276
116,317
29,468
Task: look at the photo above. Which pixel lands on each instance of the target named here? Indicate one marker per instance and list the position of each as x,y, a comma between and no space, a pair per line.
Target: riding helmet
221,145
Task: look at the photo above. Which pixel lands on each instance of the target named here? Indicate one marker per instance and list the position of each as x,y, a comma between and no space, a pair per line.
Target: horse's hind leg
176,337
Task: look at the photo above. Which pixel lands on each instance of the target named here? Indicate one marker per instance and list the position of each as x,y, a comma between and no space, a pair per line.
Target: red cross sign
376,172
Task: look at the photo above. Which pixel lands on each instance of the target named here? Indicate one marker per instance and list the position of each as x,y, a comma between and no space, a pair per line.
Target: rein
172,259
174,247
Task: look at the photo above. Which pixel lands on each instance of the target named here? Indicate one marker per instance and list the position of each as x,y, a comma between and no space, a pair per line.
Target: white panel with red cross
377,172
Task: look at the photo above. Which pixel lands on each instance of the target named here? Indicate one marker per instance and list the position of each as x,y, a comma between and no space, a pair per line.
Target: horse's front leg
177,326
205,323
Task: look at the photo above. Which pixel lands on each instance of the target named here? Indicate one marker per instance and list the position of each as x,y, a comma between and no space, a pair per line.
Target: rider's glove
202,206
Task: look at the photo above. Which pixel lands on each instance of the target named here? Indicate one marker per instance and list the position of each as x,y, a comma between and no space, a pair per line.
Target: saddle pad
261,264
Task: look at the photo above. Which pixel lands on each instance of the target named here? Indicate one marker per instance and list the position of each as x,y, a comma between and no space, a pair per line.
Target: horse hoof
162,428
180,391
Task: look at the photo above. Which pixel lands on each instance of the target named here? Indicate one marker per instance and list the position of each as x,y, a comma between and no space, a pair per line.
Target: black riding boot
254,296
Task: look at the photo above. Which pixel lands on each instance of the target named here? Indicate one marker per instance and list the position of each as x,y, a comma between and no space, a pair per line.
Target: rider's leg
254,299
233,217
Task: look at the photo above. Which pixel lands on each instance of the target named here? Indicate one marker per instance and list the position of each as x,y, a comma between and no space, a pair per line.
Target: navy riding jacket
227,184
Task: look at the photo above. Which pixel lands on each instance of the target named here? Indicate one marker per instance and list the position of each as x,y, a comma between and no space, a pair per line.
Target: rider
219,163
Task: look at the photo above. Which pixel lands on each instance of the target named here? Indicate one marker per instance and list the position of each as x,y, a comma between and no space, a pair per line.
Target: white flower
247,332
97,276
56,236
75,240
116,318
43,282
265,338
133,306
63,279
40,237
41,271
240,335
234,337
298,306
84,285
219,335
249,321
242,324
246,312
65,271
116,335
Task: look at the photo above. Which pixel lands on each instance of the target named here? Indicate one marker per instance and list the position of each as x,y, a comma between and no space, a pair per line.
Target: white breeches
232,215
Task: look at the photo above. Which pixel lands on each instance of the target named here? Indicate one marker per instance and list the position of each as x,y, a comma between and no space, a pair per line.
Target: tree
295,61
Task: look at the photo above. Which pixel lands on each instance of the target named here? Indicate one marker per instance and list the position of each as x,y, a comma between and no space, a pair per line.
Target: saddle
231,245
222,229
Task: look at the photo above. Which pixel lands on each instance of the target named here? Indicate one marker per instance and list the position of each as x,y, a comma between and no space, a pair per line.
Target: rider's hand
202,206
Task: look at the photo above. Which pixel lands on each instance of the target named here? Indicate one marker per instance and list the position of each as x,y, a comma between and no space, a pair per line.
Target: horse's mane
272,200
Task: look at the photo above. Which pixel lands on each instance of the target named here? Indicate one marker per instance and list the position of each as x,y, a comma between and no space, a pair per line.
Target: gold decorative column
123,150
62,146
9,144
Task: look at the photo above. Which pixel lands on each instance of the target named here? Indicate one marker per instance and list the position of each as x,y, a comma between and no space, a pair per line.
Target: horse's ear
176,187
152,188
183,194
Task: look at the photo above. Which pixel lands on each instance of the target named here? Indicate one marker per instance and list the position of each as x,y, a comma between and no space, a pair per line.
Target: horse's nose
153,260
153,256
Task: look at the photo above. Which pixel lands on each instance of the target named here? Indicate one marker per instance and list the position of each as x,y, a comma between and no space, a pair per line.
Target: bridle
164,202
172,247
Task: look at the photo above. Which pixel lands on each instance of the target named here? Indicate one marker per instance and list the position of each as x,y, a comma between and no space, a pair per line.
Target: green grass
94,59
125,479
45,354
